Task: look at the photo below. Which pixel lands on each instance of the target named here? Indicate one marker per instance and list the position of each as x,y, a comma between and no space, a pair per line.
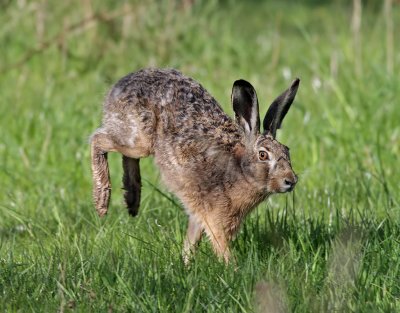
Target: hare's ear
278,109
245,105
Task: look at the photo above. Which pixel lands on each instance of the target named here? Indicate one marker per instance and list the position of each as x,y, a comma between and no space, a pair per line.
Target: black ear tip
295,83
242,83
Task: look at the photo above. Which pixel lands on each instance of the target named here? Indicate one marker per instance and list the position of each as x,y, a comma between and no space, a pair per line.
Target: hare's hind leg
132,184
100,145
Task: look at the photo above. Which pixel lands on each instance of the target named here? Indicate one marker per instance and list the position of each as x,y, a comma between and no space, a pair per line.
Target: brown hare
219,168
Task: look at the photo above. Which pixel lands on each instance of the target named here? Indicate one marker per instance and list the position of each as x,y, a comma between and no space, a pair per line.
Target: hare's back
162,90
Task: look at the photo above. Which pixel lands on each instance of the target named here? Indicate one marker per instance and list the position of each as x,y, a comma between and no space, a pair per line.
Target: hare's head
267,161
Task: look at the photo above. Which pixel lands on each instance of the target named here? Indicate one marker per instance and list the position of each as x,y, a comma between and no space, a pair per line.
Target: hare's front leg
100,145
132,184
219,238
193,236
220,245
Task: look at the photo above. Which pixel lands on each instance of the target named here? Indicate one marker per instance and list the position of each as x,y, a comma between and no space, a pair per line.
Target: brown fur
208,160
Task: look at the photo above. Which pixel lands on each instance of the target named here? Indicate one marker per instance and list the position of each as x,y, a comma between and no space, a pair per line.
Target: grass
331,246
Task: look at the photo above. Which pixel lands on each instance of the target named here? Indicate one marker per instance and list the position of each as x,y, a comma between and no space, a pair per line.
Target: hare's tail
132,184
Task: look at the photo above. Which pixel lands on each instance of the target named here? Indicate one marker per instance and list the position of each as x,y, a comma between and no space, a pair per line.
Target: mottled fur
211,162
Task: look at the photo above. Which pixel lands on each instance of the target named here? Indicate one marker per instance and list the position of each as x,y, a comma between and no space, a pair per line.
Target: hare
219,168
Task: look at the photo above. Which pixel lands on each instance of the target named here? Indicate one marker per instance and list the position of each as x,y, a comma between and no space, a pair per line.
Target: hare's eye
263,155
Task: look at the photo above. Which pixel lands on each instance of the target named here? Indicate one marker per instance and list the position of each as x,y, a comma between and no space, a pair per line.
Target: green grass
332,246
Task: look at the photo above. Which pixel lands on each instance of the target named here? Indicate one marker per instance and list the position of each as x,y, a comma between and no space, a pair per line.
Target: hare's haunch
218,167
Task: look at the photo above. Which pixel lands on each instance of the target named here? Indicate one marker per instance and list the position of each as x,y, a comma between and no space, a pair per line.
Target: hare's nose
291,181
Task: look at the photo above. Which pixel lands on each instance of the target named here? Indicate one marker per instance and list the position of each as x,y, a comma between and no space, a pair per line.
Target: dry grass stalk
41,21
389,36
356,29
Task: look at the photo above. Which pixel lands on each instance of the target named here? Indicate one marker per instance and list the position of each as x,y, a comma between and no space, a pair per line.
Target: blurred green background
333,245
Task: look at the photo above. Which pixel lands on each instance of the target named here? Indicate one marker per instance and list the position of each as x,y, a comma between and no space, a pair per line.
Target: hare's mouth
290,189
285,189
